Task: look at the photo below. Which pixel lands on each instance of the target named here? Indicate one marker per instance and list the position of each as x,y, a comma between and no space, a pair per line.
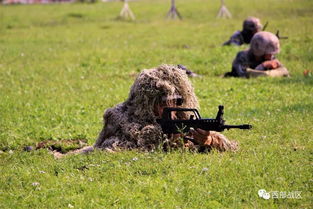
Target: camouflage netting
132,124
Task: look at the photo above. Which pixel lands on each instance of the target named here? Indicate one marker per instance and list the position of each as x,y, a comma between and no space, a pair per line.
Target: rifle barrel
265,26
244,126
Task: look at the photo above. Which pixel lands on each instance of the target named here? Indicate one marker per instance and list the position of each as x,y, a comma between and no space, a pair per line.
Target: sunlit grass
62,65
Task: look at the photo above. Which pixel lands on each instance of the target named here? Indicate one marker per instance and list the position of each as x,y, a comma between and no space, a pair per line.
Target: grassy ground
62,65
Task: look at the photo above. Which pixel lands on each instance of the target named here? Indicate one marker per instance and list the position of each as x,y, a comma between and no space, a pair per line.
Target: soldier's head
252,25
154,89
264,44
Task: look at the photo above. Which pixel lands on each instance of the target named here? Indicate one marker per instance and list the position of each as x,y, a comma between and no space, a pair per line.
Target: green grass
62,65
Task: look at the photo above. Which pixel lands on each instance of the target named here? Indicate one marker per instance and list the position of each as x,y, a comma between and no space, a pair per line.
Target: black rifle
265,26
174,126
277,33
280,37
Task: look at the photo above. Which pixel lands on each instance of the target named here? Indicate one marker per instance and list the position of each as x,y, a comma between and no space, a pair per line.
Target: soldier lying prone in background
259,59
250,26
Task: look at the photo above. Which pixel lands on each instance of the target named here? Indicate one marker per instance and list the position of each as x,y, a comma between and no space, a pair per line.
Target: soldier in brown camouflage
133,123
250,26
259,59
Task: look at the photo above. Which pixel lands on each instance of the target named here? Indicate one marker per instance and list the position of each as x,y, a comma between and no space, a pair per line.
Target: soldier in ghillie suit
250,27
133,123
259,59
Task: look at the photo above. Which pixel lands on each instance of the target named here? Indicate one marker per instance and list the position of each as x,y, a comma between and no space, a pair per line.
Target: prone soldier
133,123
250,26
259,59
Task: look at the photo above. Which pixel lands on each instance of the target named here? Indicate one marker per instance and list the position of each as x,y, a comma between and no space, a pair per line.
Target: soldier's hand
271,64
259,67
201,136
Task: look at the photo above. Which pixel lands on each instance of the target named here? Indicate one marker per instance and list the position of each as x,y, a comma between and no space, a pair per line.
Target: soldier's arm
213,140
235,39
278,72
201,136
271,64
238,67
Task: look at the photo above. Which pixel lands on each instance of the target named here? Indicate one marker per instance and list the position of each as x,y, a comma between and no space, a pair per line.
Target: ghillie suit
250,26
252,62
132,124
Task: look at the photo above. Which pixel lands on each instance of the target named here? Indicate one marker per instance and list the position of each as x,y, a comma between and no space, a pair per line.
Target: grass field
62,65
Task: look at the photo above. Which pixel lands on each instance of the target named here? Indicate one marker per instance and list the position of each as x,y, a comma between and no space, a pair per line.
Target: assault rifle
277,33
174,126
265,26
280,37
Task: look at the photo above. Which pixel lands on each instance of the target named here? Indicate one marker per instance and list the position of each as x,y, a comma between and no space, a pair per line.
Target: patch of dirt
63,145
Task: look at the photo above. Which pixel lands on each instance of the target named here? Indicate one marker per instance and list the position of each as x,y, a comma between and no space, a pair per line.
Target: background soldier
132,124
250,26
259,59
